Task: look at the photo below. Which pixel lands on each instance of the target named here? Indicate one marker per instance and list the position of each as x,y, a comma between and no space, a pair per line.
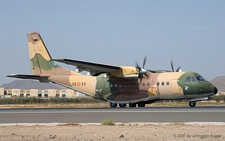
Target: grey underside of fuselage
171,97
152,99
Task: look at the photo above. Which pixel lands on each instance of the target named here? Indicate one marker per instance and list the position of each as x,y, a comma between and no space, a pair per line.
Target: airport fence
34,100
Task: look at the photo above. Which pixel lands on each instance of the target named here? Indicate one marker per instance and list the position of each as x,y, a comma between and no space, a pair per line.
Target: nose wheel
192,104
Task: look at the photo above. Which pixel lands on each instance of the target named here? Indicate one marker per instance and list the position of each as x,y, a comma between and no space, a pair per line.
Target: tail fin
40,59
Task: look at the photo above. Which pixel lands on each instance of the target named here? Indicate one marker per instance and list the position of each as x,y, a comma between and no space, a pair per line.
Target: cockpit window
193,79
199,78
188,79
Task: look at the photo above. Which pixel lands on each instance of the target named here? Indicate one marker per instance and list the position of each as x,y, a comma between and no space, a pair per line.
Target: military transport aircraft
121,85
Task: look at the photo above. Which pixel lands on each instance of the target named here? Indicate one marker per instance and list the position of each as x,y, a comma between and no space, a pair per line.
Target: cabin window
148,84
188,79
115,85
124,85
193,79
119,85
134,84
157,83
162,83
128,84
107,85
111,85
143,84
167,83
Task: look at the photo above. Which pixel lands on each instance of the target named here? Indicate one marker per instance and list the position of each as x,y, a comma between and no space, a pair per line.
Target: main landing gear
113,105
122,105
131,105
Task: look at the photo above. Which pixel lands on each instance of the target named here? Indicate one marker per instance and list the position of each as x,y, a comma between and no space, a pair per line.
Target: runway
96,115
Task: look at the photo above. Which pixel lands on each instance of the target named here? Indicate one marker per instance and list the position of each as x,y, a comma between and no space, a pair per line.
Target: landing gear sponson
192,102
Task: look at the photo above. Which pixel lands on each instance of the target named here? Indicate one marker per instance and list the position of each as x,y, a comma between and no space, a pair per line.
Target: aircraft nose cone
215,90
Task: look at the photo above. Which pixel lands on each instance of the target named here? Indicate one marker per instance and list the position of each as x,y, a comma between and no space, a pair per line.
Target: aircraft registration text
78,83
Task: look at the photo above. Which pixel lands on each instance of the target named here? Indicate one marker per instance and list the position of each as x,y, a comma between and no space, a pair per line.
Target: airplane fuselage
167,85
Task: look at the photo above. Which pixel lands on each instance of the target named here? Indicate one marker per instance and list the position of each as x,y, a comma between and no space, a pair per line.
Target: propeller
178,69
142,71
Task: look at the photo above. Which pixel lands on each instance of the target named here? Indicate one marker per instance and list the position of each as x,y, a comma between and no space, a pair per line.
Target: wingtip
11,75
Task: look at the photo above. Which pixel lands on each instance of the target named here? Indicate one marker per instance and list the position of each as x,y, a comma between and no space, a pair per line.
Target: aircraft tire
192,104
132,105
141,104
122,105
113,105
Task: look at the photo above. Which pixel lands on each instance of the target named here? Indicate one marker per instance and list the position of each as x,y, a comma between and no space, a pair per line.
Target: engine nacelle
126,72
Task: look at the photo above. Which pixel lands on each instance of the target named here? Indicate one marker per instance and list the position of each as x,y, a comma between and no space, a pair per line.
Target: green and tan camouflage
40,59
117,84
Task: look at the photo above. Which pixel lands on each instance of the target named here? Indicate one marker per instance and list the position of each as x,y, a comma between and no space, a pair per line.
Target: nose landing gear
192,104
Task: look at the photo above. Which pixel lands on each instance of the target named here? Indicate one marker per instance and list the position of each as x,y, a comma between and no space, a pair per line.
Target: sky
189,32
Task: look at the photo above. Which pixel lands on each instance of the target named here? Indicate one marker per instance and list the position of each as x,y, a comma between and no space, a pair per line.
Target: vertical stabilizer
40,59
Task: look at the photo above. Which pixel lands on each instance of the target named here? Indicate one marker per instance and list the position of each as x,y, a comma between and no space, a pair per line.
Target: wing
93,68
35,77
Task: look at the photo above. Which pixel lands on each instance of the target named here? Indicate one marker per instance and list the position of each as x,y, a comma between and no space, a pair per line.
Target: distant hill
30,84
219,82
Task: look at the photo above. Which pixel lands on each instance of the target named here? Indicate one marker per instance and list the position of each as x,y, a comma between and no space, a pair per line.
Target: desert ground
119,131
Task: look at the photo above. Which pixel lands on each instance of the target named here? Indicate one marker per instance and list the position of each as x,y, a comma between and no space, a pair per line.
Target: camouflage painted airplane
117,84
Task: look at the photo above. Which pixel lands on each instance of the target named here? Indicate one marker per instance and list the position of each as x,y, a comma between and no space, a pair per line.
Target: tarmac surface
97,115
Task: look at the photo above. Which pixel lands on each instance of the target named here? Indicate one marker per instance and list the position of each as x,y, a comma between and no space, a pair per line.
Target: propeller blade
141,76
171,63
144,61
137,66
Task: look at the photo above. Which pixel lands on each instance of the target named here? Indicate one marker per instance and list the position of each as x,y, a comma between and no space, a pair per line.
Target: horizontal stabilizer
35,77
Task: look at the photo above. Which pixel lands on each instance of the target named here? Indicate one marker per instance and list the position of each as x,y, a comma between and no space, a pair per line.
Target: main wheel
141,104
132,104
113,105
192,104
122,105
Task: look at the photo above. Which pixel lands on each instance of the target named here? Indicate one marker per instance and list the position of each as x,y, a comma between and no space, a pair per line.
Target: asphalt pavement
96,115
